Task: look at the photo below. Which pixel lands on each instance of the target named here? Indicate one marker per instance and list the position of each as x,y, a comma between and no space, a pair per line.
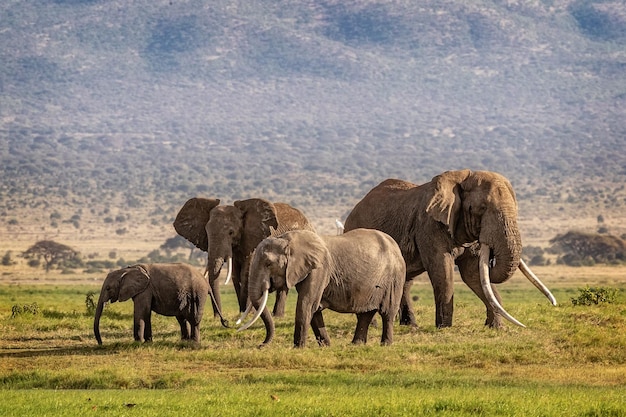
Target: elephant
174,289
359,272
229,233
463,217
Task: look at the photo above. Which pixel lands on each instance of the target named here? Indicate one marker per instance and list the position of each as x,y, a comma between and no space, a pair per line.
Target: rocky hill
112,108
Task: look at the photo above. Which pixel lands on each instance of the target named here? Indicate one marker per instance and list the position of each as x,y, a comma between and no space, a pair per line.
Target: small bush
90,303
595,295
18,310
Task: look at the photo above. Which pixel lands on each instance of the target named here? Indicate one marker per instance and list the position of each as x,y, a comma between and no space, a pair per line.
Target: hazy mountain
143,104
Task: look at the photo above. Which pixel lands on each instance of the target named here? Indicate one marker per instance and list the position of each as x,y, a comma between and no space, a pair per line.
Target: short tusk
230,269
244,314
259,311
483,266
536,282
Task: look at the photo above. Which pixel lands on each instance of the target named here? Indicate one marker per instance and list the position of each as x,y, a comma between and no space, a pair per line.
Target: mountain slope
143,105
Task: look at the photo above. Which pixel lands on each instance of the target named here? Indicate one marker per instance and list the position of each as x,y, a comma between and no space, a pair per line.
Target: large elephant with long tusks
229,234
360,272
463,217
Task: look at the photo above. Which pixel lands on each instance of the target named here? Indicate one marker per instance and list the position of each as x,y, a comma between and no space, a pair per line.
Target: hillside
110,108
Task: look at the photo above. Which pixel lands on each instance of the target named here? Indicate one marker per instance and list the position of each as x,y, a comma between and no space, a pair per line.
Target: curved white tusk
483,266
259,311
230,269
244,314
536,282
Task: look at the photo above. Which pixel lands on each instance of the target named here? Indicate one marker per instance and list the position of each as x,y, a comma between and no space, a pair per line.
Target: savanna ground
570,360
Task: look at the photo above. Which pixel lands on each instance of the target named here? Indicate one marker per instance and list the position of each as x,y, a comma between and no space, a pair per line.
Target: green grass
570,360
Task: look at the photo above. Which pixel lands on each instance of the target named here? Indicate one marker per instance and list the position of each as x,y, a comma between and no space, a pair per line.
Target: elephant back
290,218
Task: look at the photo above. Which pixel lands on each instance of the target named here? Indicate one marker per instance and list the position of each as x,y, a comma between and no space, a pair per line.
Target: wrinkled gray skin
433,222
167,289
233,232
360,272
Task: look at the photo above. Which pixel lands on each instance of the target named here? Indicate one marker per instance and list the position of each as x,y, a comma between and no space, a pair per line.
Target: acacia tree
178,242
52,252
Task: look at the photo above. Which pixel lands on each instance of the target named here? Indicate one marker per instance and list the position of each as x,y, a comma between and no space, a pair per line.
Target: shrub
17,310
90,303
595,295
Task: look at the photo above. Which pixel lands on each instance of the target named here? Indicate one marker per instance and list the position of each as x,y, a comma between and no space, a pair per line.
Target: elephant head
481,207
226,233
281,263
120,285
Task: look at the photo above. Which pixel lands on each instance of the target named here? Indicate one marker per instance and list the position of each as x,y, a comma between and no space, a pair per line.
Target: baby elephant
167,289
360,272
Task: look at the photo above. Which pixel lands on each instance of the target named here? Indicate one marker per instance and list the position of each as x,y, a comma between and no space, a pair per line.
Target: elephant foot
493,324
323,342
408,321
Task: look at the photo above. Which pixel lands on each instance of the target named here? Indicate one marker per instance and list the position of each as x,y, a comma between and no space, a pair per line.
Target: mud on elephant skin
463,217
229,233
168,289
359,272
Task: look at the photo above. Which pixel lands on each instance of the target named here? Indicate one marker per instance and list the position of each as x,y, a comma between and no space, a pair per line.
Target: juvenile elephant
230,234
167,289
358,272
459,216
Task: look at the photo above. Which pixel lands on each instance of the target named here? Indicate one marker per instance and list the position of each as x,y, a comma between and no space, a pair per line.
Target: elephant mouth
272,287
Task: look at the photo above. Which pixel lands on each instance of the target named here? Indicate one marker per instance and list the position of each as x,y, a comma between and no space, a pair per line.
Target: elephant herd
396,232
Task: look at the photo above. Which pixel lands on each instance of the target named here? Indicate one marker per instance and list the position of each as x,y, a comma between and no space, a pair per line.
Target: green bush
90,303
595,295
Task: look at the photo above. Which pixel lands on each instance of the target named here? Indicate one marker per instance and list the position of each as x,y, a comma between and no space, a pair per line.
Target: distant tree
6,259
587,248
178,242
51,252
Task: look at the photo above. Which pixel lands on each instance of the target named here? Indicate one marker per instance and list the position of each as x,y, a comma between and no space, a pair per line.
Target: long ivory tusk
259,311
230,269
536,282
483,266
244,314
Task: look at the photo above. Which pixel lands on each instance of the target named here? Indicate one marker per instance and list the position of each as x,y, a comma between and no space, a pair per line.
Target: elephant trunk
506,249
485,283
96,320
258,290
506,246
214,267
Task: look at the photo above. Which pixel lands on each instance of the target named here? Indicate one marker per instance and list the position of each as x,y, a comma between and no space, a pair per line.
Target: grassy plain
570,360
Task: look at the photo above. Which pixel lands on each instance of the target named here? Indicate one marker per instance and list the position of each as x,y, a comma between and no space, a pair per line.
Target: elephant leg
387,335
240,277
468,267
184,327
441,274
319,329
193,327
279,305
362,326
407,315
142,326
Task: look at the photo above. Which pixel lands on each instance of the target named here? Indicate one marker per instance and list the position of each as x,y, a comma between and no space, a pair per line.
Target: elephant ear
133,281
259,217
445,202
192,218
305,252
